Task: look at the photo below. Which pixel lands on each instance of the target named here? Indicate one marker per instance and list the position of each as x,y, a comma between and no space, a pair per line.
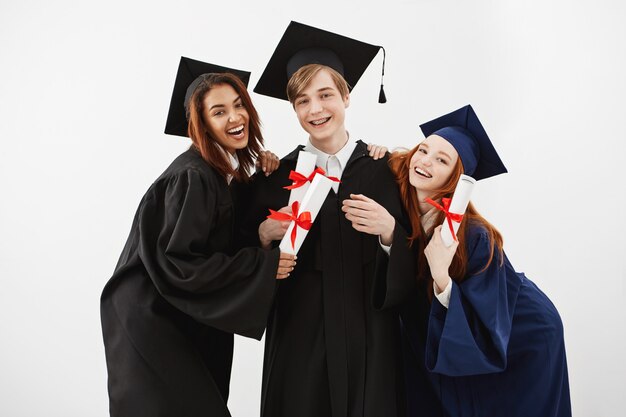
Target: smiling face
227,118
431,165
320,108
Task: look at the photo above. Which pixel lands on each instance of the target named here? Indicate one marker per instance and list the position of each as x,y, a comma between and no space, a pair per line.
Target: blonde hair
302,78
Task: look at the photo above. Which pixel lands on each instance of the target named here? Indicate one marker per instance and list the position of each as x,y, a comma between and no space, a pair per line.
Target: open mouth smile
320,122
422,173
236,132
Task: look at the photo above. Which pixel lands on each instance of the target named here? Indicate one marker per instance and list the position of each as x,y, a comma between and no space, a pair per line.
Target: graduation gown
328,352
178,294
498,349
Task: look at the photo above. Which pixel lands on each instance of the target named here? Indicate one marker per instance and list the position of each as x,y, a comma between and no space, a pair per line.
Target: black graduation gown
177,295
497,350
328,352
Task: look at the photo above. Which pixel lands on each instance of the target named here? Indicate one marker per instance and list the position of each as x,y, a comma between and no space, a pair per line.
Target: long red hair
399,163
202,137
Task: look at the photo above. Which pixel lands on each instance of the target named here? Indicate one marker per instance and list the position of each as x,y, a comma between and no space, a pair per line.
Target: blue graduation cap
190,74
463,130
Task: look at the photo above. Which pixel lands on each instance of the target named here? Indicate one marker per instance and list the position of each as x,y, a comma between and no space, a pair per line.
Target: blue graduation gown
497,350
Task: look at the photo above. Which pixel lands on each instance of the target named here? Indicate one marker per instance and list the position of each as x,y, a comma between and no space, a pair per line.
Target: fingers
362,205
288,257
361,197
286,265
268,162
272,163
376,151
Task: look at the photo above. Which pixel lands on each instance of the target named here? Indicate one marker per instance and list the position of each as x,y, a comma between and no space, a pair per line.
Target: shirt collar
343,155
234,161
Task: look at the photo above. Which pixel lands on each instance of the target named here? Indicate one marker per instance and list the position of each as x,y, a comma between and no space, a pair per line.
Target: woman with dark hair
181,287
479,338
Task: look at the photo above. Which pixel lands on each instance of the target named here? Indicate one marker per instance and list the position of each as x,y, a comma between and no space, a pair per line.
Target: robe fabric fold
498,349
328,351
179,292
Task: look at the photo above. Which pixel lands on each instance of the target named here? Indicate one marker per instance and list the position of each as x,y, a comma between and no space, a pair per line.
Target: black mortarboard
189,75
465,132
302,45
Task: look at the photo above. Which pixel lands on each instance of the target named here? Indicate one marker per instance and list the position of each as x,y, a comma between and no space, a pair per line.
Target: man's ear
346,101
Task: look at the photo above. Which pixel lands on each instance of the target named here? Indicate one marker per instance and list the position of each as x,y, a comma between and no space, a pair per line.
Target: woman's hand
286,264
439,259
271,229
376,151
268,162
370,217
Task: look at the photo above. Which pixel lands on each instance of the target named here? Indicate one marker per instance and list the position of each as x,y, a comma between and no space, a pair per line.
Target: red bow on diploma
450,217
303,220
299,180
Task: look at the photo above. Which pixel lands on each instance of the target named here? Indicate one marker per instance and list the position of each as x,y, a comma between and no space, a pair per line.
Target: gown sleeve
395,278
471,336
396,273
182,239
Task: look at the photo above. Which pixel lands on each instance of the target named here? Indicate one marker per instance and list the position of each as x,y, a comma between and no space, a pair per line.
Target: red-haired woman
479,338
181,288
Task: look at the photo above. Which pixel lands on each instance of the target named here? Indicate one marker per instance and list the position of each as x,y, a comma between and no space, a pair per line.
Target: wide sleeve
471,336
184,232
396,273
395,279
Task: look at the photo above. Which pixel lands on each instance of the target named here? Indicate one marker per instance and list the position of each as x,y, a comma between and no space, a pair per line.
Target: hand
376,151
286,264
268,162
271,229
370,217
439,258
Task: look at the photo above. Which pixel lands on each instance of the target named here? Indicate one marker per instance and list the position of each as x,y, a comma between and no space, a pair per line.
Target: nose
316,106
234,117
426,160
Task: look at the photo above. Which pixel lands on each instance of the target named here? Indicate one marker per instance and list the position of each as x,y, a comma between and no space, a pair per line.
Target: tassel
382,98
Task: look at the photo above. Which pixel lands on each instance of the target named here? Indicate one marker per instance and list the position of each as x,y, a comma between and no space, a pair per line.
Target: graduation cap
190,74
463,130
302,45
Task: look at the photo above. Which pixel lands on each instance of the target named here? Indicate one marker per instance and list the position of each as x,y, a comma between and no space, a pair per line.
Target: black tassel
382,98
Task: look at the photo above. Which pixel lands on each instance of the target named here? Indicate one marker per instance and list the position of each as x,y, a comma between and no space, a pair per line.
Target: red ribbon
302,220
450,217
299,180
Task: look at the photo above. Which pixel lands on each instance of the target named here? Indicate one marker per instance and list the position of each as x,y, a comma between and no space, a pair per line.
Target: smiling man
328,351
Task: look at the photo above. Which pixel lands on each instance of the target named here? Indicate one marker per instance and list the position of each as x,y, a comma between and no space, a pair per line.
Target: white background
84,92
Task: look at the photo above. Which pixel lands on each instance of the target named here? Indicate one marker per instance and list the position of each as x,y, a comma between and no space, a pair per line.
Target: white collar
343,155
232,158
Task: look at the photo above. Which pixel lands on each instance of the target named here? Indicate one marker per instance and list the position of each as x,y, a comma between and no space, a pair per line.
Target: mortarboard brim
187,78
302,45
466,134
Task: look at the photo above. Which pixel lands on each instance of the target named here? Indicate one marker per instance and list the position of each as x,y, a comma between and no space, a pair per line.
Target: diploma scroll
312,203
305,166
458,205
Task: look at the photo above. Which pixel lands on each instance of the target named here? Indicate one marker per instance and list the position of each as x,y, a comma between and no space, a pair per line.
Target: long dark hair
202,136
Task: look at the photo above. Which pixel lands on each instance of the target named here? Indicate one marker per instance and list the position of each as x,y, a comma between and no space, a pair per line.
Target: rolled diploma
305,166
458,205
312,202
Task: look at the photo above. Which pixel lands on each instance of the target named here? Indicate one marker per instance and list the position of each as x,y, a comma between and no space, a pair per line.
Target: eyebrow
221,105
440,152
318,91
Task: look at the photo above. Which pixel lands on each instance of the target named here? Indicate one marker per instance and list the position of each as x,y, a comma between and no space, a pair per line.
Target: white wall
84,92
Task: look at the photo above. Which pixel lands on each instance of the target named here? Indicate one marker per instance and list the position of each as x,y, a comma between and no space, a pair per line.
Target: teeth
423,173
236,130
320,121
